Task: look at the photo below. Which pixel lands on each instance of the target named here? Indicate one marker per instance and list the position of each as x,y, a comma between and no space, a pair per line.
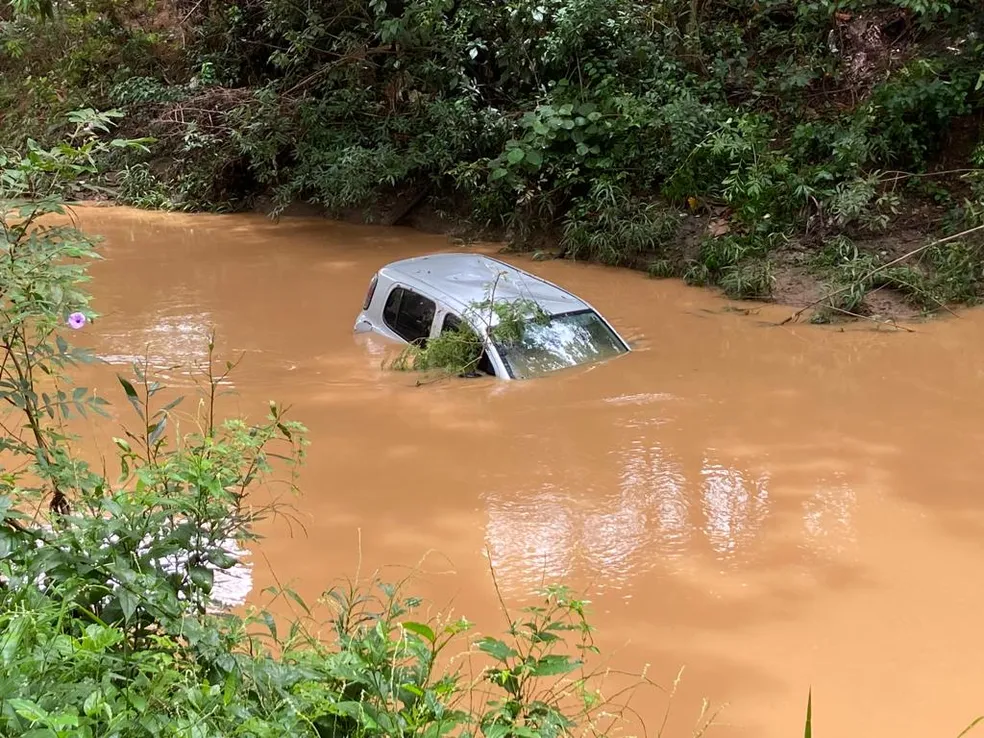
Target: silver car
416,299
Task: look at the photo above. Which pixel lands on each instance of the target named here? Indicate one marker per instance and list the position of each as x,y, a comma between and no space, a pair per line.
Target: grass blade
808,731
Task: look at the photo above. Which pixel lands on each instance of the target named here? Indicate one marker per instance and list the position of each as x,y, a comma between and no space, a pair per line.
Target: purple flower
76,321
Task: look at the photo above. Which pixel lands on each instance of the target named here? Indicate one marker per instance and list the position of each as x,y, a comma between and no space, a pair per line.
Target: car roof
460,280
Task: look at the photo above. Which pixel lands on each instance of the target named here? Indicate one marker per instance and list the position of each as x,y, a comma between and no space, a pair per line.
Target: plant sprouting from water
459,349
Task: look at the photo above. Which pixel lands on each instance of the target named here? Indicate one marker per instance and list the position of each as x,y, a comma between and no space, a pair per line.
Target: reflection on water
653,520
734,507
828,516
165,342
701,483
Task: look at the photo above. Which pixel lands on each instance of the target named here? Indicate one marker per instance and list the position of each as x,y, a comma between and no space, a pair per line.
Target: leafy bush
139,187
613,228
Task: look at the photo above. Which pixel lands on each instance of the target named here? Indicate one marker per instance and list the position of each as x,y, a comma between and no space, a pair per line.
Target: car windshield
565,340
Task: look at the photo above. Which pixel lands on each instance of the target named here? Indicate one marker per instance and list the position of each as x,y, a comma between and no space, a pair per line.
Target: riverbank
806,153
795,277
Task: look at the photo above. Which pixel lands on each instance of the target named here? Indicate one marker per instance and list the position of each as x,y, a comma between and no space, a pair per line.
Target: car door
409,314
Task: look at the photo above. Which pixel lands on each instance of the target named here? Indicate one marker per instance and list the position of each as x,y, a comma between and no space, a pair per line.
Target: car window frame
421,340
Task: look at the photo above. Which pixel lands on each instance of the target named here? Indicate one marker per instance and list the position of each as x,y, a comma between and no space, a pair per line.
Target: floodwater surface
774,508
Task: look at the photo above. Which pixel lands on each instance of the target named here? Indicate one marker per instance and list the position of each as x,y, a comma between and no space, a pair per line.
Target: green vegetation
107,620
630,132
458,350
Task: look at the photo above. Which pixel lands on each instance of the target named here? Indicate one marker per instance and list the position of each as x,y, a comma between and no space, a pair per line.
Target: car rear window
409,315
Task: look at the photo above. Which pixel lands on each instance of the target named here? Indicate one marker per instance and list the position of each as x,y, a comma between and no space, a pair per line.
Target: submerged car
416,300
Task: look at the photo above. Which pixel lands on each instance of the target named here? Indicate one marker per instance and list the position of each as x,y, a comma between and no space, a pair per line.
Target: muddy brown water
773,508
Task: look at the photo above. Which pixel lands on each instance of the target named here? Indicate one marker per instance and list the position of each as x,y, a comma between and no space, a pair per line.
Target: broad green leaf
92,703
29,710
554,664
496,648
515,156
421,629
221,559
496,730
128,602
203,578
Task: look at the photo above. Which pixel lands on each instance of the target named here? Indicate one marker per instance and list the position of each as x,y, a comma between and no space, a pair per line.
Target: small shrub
137,186
697,274
750,280
613,228
662,269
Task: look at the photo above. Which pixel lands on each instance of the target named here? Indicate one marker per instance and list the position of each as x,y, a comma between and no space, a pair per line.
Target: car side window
453,323
409,315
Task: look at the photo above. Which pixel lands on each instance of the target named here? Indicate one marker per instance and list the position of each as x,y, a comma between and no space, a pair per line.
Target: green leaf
131,395
808,730
128,603
156,431
298,599
203,578
172,404
221,559
515,156
92,703
534,158
29,710
40,733
11,639
421,629
496,648
271,624
554,664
